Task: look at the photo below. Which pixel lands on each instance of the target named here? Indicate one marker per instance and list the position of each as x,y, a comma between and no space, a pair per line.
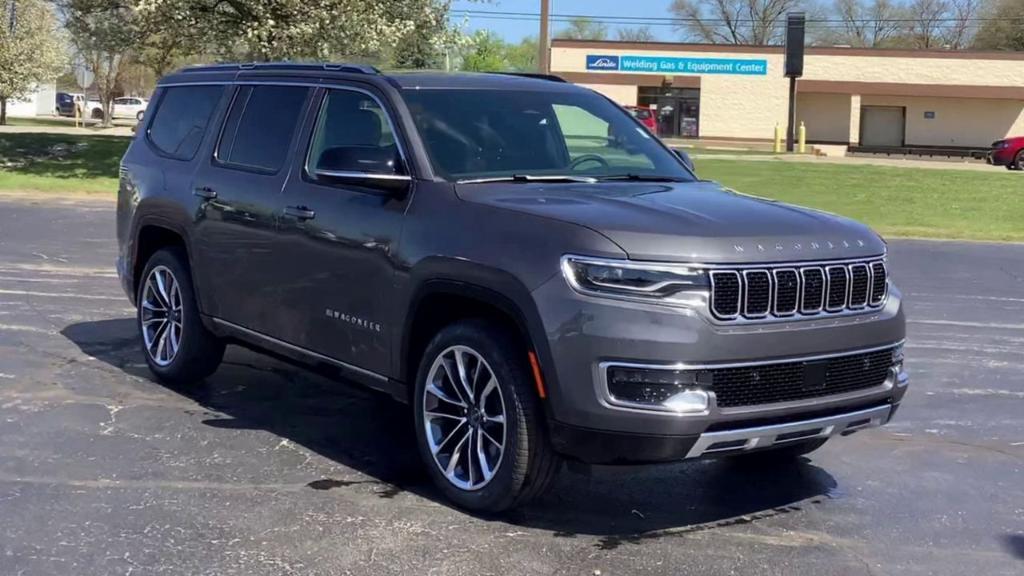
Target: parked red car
645,116
1009,153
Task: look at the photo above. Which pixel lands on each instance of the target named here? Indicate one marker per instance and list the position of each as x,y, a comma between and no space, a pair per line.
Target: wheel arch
438,302
151,235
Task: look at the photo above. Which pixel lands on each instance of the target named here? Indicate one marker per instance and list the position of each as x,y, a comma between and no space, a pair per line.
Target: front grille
789,381
788,290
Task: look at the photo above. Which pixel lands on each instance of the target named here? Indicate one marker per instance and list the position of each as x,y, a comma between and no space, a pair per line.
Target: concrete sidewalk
960,164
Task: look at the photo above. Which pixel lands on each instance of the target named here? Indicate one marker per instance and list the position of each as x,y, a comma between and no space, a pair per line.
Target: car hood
687,222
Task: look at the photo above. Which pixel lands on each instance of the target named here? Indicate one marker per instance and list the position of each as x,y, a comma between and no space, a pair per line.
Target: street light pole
543,58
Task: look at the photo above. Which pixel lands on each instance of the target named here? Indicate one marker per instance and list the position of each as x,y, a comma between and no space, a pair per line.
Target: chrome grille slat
751,293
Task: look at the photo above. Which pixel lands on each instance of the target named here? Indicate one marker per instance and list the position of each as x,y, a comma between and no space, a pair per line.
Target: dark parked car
1009,153
535,275
66,103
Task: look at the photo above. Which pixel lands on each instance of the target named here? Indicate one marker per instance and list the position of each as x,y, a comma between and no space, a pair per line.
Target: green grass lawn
916,202
31,162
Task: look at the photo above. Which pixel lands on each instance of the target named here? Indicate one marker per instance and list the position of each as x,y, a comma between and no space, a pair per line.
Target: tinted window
259,128
473,134
353,135
180,121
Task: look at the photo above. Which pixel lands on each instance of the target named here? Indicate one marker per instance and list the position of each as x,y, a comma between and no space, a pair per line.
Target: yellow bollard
778,139
802,139
78,115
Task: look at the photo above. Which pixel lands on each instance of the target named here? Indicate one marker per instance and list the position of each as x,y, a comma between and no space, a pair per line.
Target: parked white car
127,107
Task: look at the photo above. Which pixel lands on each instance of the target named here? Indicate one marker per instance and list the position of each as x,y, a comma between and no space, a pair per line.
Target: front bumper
1000,157
587,334
599,447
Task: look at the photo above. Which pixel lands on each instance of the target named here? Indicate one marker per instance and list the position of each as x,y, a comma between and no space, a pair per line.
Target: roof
409,80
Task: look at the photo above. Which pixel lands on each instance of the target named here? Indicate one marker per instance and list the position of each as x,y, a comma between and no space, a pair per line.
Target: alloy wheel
161,316
464,417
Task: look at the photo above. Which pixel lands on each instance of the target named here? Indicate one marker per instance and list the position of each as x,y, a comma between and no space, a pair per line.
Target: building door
676,110
882,126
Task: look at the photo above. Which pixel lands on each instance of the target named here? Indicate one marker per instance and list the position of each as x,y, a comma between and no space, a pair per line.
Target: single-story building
41,101
851,96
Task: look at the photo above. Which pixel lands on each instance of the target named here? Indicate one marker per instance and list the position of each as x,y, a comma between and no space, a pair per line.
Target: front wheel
138,115
178,348
1018,162
479,425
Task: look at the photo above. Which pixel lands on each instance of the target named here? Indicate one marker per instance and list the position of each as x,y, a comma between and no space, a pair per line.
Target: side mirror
684,158
371,167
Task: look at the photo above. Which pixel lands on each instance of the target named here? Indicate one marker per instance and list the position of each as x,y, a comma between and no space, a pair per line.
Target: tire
96,114
198,352
787,454
138,115
1018,162
525,464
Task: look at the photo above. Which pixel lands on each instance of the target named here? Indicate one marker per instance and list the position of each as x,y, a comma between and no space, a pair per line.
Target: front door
338,239
241,184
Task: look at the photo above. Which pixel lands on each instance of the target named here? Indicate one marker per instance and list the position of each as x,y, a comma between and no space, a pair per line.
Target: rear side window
180,121
258,132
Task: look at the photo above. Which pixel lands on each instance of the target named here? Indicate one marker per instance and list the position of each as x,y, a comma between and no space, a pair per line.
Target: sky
516,30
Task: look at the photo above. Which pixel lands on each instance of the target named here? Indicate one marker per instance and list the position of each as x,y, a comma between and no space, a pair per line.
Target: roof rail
548,77
331,66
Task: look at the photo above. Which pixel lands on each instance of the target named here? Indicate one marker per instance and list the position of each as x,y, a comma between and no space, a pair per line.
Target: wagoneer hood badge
695,222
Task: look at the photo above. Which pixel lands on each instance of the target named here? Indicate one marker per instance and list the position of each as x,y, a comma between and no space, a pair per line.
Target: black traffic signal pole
791,128
794,68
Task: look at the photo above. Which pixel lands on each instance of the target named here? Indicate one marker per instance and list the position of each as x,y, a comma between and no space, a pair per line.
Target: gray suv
516,258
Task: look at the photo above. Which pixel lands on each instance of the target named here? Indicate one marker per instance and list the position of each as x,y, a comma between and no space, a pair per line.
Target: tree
522,57
105,34
638,34
30,53
866,23
581,28
1003,28
486,53
735,21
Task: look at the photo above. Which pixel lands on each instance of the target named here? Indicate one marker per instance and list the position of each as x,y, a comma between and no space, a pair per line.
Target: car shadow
1014,544
372,434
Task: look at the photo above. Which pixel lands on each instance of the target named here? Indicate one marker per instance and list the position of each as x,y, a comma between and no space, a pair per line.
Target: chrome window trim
607,400
867,293
310,173
739,294
367,175
775,293
824,290
828,288
746,301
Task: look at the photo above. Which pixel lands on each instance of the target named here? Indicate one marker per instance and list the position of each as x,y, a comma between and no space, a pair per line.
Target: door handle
205,192
299,212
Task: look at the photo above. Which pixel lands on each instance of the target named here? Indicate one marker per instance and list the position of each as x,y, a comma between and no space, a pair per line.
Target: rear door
338,239
240,186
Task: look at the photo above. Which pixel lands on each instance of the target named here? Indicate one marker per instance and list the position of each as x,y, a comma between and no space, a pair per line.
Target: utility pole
14,16
544,57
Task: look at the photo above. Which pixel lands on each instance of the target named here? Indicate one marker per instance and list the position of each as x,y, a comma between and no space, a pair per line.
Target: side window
181,118
120,101
258,131
588,135
353,135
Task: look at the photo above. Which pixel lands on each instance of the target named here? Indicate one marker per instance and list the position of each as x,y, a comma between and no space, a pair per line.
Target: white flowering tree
31,51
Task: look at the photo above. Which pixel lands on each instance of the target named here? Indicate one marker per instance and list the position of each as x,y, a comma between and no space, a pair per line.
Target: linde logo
601,62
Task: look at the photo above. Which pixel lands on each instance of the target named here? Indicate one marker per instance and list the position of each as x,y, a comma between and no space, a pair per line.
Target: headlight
1001,144
634,280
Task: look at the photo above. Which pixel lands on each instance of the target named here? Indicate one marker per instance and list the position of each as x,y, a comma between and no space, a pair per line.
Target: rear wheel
479,425
138,115
178,348
97,114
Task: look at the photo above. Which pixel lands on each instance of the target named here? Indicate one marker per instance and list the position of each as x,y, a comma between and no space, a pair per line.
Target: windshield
483,134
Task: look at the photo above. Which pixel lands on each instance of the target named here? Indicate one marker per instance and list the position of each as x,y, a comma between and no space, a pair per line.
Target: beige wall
826,116
737,106
624,95
957,122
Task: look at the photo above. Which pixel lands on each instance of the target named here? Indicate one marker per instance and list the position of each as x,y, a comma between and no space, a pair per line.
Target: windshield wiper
645,178
531,178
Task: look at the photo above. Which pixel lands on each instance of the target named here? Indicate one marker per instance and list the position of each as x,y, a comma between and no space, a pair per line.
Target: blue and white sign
674,65
601,62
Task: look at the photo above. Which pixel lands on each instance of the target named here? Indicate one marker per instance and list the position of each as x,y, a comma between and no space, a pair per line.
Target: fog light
653,386
688,402
897,366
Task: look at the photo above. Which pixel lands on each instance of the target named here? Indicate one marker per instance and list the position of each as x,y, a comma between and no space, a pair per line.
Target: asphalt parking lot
267,469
